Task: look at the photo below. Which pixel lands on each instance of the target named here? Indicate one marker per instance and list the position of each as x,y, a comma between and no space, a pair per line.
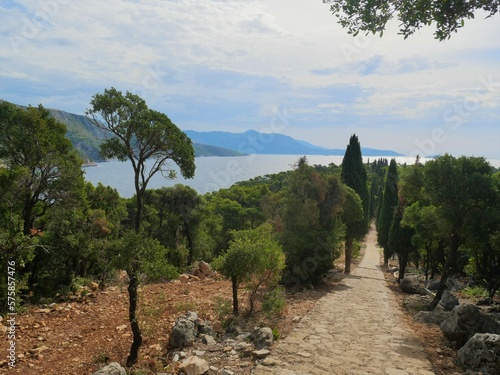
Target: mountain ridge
254,142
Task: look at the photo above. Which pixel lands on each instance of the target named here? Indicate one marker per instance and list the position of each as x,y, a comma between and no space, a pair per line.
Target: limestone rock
481,353
410,284
448,301
464,321
205,268
204,327
433,285
185,331
208,340
194,366
262,337
184,278
261,354
437,316
113,368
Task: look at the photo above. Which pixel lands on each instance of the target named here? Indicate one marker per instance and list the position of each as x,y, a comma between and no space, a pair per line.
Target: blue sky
280,66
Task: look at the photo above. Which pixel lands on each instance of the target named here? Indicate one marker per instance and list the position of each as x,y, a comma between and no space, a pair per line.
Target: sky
276,66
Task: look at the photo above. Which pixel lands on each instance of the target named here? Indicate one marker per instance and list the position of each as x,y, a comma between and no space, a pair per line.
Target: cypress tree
354,175
388,205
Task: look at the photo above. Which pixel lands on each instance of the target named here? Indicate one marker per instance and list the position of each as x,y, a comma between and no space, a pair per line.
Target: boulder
205,268
411,284
262,337
448,301
433,285
205,328
466,320
185,331
481,353
194,366
463,323
415,303
437,316
113,368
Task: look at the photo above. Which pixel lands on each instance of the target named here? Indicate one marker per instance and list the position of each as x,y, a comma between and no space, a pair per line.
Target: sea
214,172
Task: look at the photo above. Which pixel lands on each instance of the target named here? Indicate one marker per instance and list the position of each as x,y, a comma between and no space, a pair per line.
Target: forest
60,232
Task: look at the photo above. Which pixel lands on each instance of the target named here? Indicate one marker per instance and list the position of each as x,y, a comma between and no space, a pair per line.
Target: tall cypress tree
354,175
388,205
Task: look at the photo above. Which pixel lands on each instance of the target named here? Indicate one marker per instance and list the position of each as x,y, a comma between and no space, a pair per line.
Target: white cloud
229,64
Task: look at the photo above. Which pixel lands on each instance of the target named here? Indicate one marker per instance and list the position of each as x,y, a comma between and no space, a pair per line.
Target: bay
214,173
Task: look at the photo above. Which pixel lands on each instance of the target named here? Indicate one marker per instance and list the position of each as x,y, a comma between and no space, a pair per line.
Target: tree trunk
348,254
134,324
235,295
449,266
403,262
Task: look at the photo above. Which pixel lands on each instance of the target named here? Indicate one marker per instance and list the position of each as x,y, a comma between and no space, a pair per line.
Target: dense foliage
444,216
447,218
373,15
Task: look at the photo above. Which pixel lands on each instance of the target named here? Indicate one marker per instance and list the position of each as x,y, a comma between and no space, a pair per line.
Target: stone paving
357,329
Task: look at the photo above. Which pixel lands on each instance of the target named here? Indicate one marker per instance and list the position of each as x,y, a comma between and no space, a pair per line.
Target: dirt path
357,329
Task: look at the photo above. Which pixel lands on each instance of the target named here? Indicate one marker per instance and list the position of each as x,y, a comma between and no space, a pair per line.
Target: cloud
212,64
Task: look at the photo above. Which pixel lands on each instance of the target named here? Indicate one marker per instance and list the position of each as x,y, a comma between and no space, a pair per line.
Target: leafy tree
178,212
425,222
311,224
400,239
462,191
42,171
372,16
149,140
353,219
388,205
36,143
254,257
354,175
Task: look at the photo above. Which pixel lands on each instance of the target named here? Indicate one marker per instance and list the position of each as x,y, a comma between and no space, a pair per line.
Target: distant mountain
253,142
86,137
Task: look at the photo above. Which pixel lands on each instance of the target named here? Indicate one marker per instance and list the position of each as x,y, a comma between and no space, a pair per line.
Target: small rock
227,372
208,340
194,366
270,361
304,354
113,368
262,337
121,328
261,354
184,278
93,286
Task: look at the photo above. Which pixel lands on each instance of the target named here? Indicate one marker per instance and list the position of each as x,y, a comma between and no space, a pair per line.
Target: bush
273,302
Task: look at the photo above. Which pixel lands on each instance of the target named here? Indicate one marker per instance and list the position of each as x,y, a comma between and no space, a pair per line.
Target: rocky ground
81,335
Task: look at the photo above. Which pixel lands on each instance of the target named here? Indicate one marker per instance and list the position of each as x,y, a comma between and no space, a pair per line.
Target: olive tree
148,139
255,258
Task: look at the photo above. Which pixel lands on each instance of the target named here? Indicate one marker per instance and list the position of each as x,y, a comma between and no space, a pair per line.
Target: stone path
357,329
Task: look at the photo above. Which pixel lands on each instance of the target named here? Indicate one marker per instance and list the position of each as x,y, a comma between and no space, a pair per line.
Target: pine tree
354,175
388,205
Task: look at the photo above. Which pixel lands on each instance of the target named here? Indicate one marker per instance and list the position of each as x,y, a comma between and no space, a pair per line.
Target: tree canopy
148,139
373,15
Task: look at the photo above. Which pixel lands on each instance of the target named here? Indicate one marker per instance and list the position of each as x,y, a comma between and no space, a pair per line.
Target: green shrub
273,302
